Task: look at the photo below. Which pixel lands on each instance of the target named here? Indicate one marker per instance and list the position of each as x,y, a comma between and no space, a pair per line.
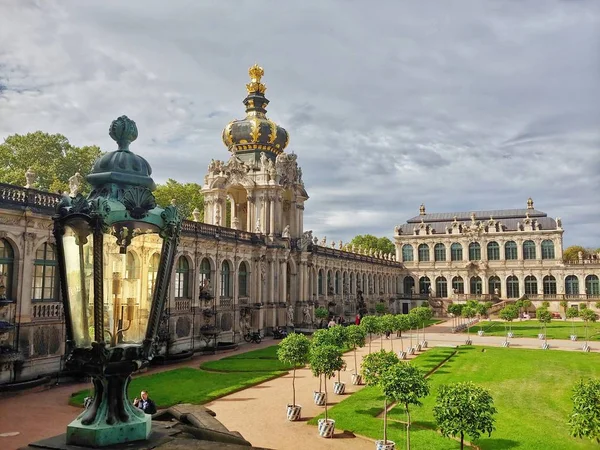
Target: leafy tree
527,305
588,316
187,196
544,317
371,326
545,304
369,241
509,313
572,253
380,308
320,338
413,323
464,409
468,313
582,306
321,313
325,360
456,310
564,305
597,305
405,384
585,418
374,364
401,324
572,313
293,349
53,159
387,324
339,338
356,338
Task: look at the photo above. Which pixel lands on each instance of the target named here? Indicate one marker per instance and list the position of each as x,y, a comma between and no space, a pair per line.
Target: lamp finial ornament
124,131
256,73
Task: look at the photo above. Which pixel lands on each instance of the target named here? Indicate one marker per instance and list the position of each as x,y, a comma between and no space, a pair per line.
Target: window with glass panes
530,285
152,273
441,287
458,285
423,252
320,282
204,271
493,284
474,251
6,269
407,253
592,285
572,285
409,285
493,251
456,252
225,279
44,274
547,249
549,284
439,252
243,279
132,267
512,287
424,285
182,278
528,250
352,286
510,250
476,286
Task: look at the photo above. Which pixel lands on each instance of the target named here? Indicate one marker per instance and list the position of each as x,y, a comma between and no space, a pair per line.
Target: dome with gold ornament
255,131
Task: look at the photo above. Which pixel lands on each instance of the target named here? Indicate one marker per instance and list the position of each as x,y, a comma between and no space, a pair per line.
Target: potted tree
293,350
386,324
322,314
371,326
413,323
468,312
339,338
424,313
455,310
482,309
319,338
325,360
572,313
588,316
564,305
527,305
544,317
508,314
400,325
356,338
373,366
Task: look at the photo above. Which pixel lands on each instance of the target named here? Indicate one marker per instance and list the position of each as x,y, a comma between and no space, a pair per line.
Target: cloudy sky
462,105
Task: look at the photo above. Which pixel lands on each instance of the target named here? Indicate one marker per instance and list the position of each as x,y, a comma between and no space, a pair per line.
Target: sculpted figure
290,314
286,232
263,161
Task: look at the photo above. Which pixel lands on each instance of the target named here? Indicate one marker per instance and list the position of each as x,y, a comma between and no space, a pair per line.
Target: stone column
293,219
272,215
271,272
233,211
250,220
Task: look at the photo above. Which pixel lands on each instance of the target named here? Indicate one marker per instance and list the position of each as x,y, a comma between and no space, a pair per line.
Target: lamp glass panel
78,249
128,286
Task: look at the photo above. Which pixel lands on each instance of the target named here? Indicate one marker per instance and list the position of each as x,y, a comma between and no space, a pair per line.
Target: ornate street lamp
112,312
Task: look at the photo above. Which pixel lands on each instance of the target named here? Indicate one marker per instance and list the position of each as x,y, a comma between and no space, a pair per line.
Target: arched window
225,279
495,286
407,253
329,283
152,273
243,280
424,285
510,250
7,258
337,282
458,285
320,290
474,251
592,285
547,249
512,287
572,285
476,286
44,274
409,285
528,250
531,285
493,251
204,271
352,287
182,278
439,252
423,252
441,287
132,268
549,283
456,252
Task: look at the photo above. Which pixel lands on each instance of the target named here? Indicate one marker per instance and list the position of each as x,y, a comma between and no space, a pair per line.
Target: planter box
319,398
506,344
573,337
293,412
411,350
541,336
402,355
418,347
385,445
480,333
423,344
468,342
326,428
339,388
585,348
545,346
356,379
511,334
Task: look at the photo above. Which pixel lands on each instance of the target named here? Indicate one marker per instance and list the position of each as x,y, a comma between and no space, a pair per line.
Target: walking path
258,412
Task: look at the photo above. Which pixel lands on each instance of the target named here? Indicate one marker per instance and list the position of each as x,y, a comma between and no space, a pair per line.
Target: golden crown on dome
255,131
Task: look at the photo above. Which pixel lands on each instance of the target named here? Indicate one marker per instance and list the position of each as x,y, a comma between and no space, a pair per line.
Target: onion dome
255,131
122,167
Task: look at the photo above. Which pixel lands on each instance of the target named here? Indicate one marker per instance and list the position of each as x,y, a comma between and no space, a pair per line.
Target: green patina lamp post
112,311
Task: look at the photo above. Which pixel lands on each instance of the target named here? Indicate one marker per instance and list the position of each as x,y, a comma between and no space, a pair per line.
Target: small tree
508,314
374,364
597,305
588,316
564,305
405,384
545,304
527,305
319,338
585,418
338,337
387,324
371,325
401,324
583,306
572,313
325,360
293,350
456,310
380,308
464,409
424,314
519,305
482,309
356,338
321,313
544,317
468,313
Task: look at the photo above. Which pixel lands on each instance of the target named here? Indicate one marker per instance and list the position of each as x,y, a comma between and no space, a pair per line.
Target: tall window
423,252
225,279
456,252
152,273
204,271
572,285
476,286
424,285
439,252
493,251
320,283
531,285
409,285
495,286
44,274
407,253
337,282
458,285
592,285
243,280
549,284
6,269
474,251
441,287
352,287
528,250
510,250
547,249
512,287
182,278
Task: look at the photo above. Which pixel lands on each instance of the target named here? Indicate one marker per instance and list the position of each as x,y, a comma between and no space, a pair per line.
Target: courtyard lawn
531,390
197,386
557,329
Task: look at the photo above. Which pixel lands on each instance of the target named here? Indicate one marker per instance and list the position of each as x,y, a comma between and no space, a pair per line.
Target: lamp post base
101,434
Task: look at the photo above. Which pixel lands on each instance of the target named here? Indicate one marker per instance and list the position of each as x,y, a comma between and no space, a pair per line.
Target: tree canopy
53,159
572,253
585,418
187,196
369,241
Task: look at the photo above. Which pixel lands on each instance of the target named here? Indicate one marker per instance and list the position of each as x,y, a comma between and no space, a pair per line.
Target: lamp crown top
124,131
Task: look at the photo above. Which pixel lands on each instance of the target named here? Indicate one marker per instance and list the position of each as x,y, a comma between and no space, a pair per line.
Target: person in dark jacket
145,403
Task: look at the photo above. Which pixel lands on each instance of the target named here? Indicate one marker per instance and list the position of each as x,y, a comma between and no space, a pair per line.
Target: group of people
336,321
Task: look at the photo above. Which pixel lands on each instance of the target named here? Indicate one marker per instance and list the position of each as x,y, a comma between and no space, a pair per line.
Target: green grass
430,322
263,353
557,329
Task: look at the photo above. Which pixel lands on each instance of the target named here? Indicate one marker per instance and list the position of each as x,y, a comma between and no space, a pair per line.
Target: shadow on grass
498,443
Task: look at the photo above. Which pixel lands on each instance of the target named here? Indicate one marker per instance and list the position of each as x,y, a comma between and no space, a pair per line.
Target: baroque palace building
248,264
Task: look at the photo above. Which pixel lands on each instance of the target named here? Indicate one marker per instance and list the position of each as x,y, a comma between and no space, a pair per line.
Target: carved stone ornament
30,177
138,201
75,183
